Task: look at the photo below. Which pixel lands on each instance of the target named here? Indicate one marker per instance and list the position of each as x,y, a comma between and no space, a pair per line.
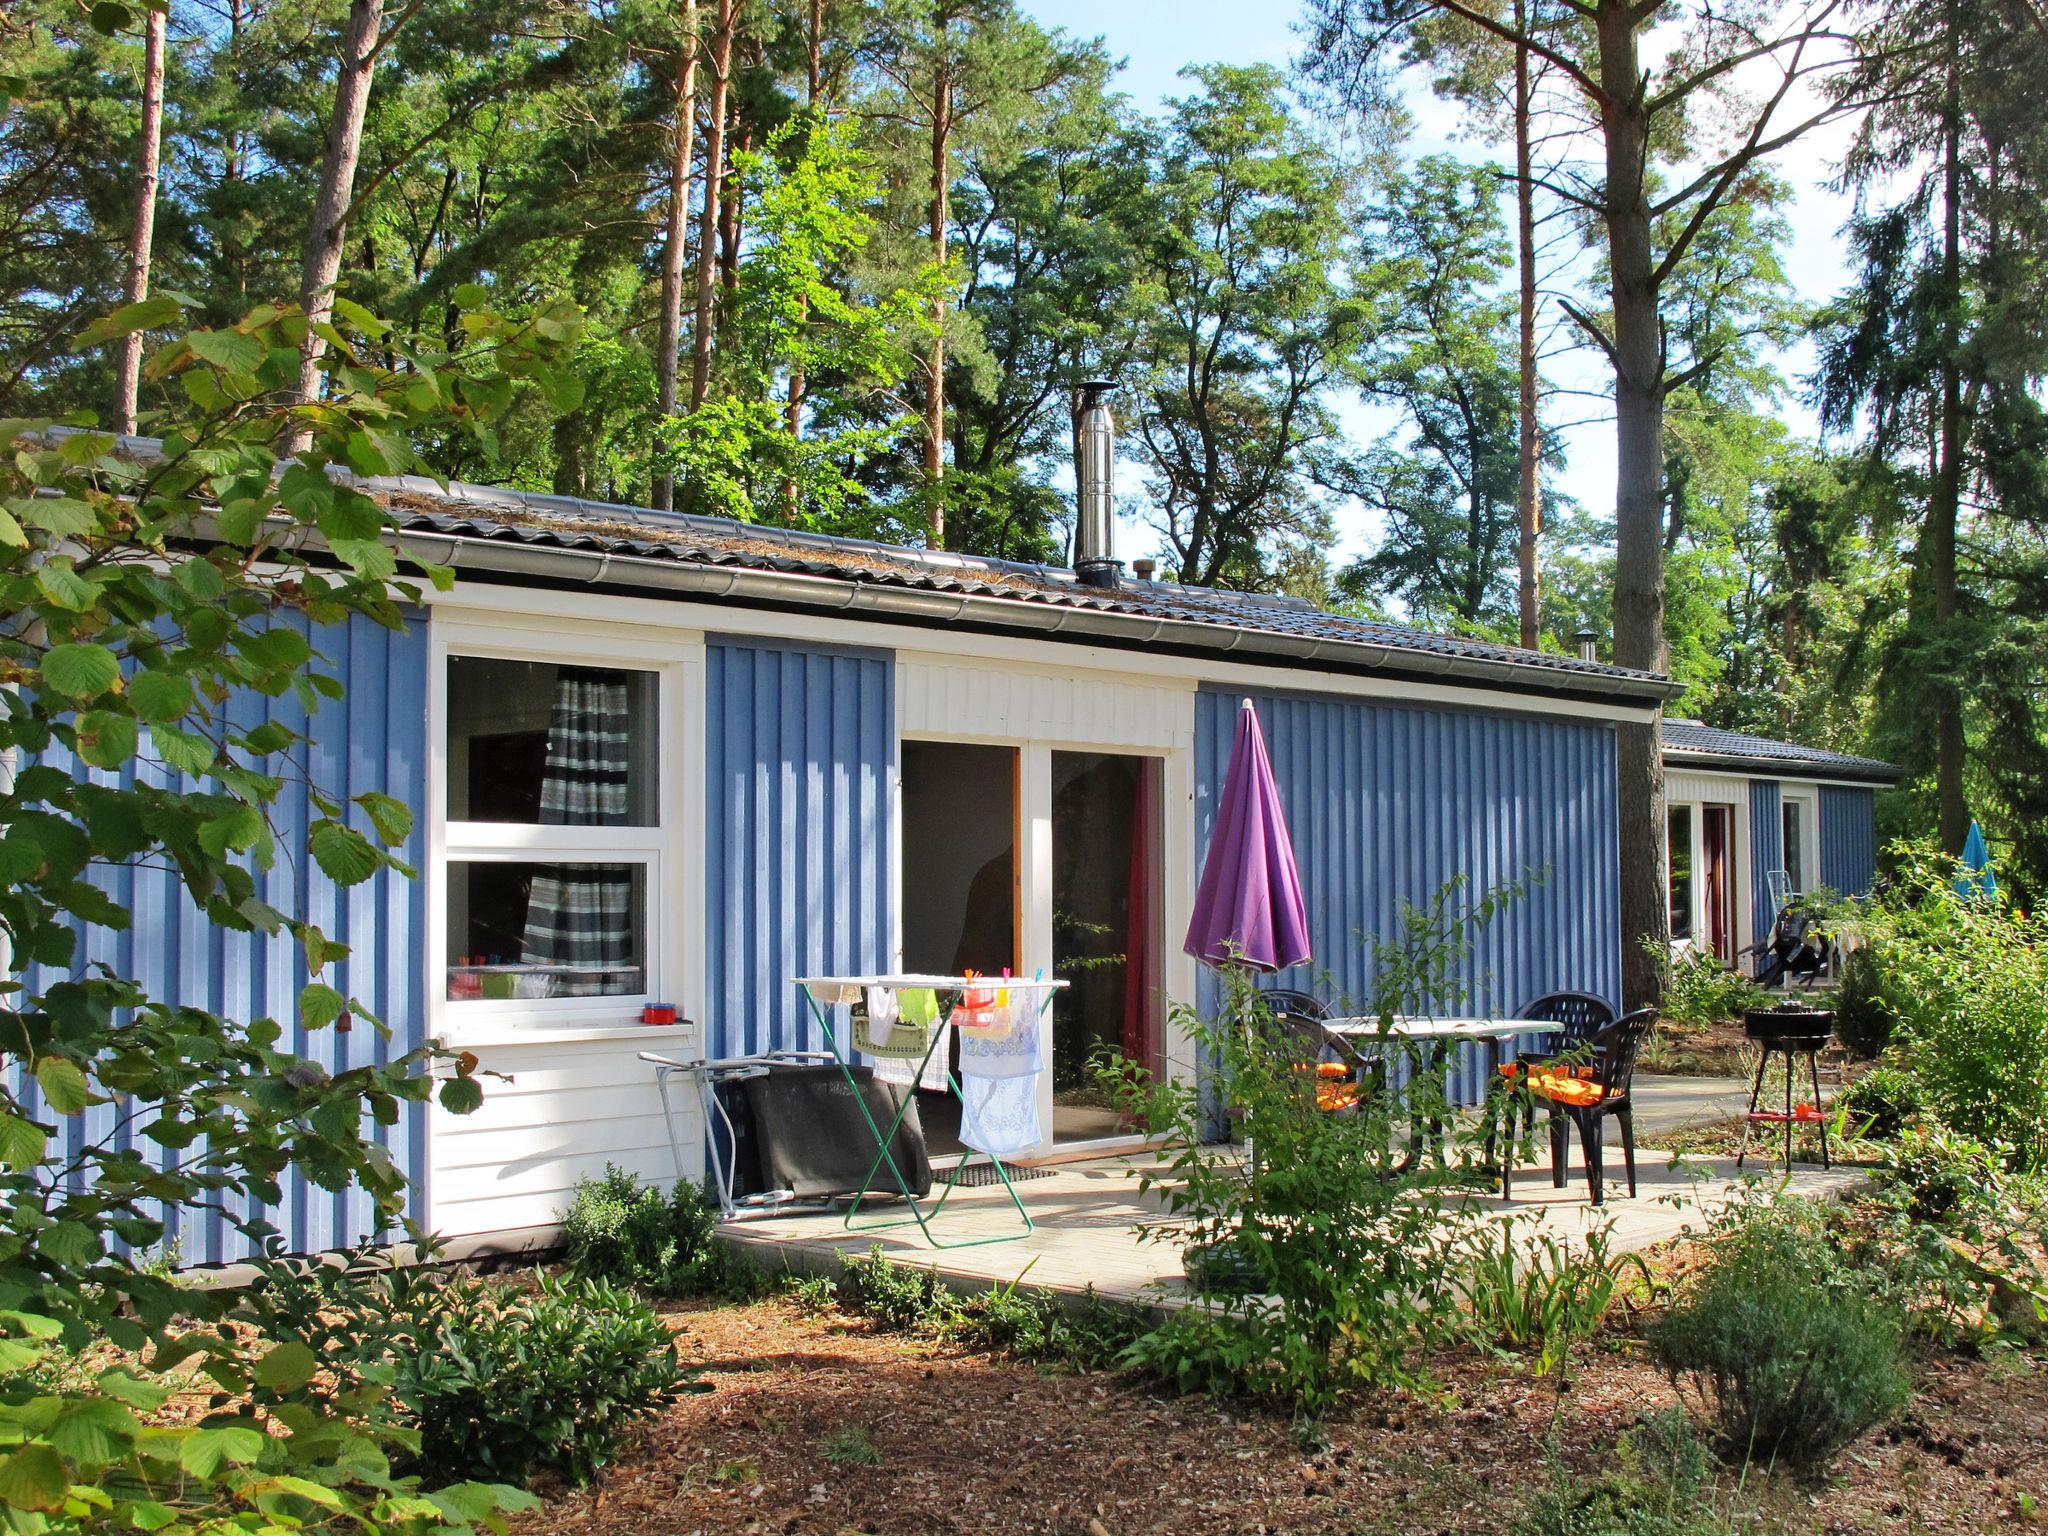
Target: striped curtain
582,914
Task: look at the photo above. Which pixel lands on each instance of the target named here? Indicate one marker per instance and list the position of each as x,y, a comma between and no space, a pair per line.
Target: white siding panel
1705,788
964,700
567,1110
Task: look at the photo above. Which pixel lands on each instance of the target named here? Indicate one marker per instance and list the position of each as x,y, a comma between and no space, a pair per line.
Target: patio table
1439,1034
826,994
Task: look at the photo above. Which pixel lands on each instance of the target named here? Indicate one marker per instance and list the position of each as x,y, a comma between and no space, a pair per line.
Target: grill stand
1790,1047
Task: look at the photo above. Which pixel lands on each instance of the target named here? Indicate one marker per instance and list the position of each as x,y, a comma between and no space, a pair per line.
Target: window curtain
580,915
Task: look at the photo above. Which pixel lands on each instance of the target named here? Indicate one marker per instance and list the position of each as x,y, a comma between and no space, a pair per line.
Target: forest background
841,264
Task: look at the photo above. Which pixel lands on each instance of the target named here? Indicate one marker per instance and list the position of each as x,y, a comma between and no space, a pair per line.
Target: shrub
541,1380
624,1232
1088,1334
1967,979
1864,1020
1882,1102
1790,1349
1339,1255
1662,1485
1939,1173
1545,1294
1699,990
898,1296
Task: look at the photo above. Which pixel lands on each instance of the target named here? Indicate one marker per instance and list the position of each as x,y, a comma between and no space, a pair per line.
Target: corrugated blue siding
1766,852
1848,838
374,738
1386,803
800,749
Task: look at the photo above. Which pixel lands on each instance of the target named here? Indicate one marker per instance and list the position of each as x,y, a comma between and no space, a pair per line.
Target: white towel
999,1111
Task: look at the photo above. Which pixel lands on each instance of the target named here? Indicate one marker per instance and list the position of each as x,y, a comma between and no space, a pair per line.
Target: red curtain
1141,963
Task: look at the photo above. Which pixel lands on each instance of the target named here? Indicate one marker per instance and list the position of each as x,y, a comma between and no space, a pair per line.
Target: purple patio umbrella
1248,908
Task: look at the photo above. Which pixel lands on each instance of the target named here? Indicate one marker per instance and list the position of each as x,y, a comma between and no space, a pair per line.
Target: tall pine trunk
675,237
329,225
714,187
1527,491
814,55
1639,548
1945,504
935,360
142,233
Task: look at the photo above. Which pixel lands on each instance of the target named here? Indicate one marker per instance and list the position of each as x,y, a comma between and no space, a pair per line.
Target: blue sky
1157,38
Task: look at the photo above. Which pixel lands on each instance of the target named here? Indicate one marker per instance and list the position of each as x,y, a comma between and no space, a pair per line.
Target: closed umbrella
1249,909
1977,860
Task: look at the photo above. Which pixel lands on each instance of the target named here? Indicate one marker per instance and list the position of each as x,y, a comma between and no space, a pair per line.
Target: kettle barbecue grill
1791,1030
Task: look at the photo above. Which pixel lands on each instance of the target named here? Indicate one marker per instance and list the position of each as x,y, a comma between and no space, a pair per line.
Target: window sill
480,1034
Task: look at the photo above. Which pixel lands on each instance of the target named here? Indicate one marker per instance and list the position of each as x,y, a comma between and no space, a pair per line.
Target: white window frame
663,849
1806,802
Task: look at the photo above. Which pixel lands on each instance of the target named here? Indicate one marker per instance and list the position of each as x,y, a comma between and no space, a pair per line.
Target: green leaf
65,516
461,1095
206,1451
11,533
80,669
22,1143
34,1477
319,1005
392,818
236,829
93,1430
228,350
105,739
160,696
111,17
150,314
136,1393
200,578
63,1083
287,1367
186,751
344,854
64,587
470,296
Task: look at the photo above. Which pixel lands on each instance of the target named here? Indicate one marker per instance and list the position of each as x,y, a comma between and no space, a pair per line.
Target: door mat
982,1175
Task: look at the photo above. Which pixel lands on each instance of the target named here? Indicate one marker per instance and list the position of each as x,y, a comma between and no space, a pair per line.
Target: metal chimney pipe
1589,642
1095,562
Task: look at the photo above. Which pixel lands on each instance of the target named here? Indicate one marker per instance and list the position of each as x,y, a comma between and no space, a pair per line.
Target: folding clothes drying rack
825,995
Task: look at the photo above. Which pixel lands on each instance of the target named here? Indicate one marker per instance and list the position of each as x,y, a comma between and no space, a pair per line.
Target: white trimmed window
552,834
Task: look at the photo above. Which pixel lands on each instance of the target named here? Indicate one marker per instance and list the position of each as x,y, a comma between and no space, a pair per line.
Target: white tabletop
1366,1026
936,983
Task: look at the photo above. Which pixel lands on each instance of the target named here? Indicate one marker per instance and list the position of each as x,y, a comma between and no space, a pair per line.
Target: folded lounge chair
785,1130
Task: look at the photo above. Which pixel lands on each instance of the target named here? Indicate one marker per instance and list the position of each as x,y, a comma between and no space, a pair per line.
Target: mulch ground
818,1423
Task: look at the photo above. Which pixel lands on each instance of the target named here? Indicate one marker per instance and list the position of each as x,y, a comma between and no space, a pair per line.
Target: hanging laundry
999,1110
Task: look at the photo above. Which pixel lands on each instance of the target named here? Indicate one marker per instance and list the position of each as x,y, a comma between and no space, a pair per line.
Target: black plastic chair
1588,1101
1302,1017
1576,1018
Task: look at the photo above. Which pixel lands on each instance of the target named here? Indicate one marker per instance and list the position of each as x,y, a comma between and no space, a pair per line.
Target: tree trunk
935,361
329,226
814,53
668,356
1528,503
143,233
1639,547
707,219
729,213
1945,505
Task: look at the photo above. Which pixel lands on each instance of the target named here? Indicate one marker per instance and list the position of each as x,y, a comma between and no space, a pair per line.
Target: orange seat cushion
1567,1090
1329,1071
1514,1069
1331,1097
